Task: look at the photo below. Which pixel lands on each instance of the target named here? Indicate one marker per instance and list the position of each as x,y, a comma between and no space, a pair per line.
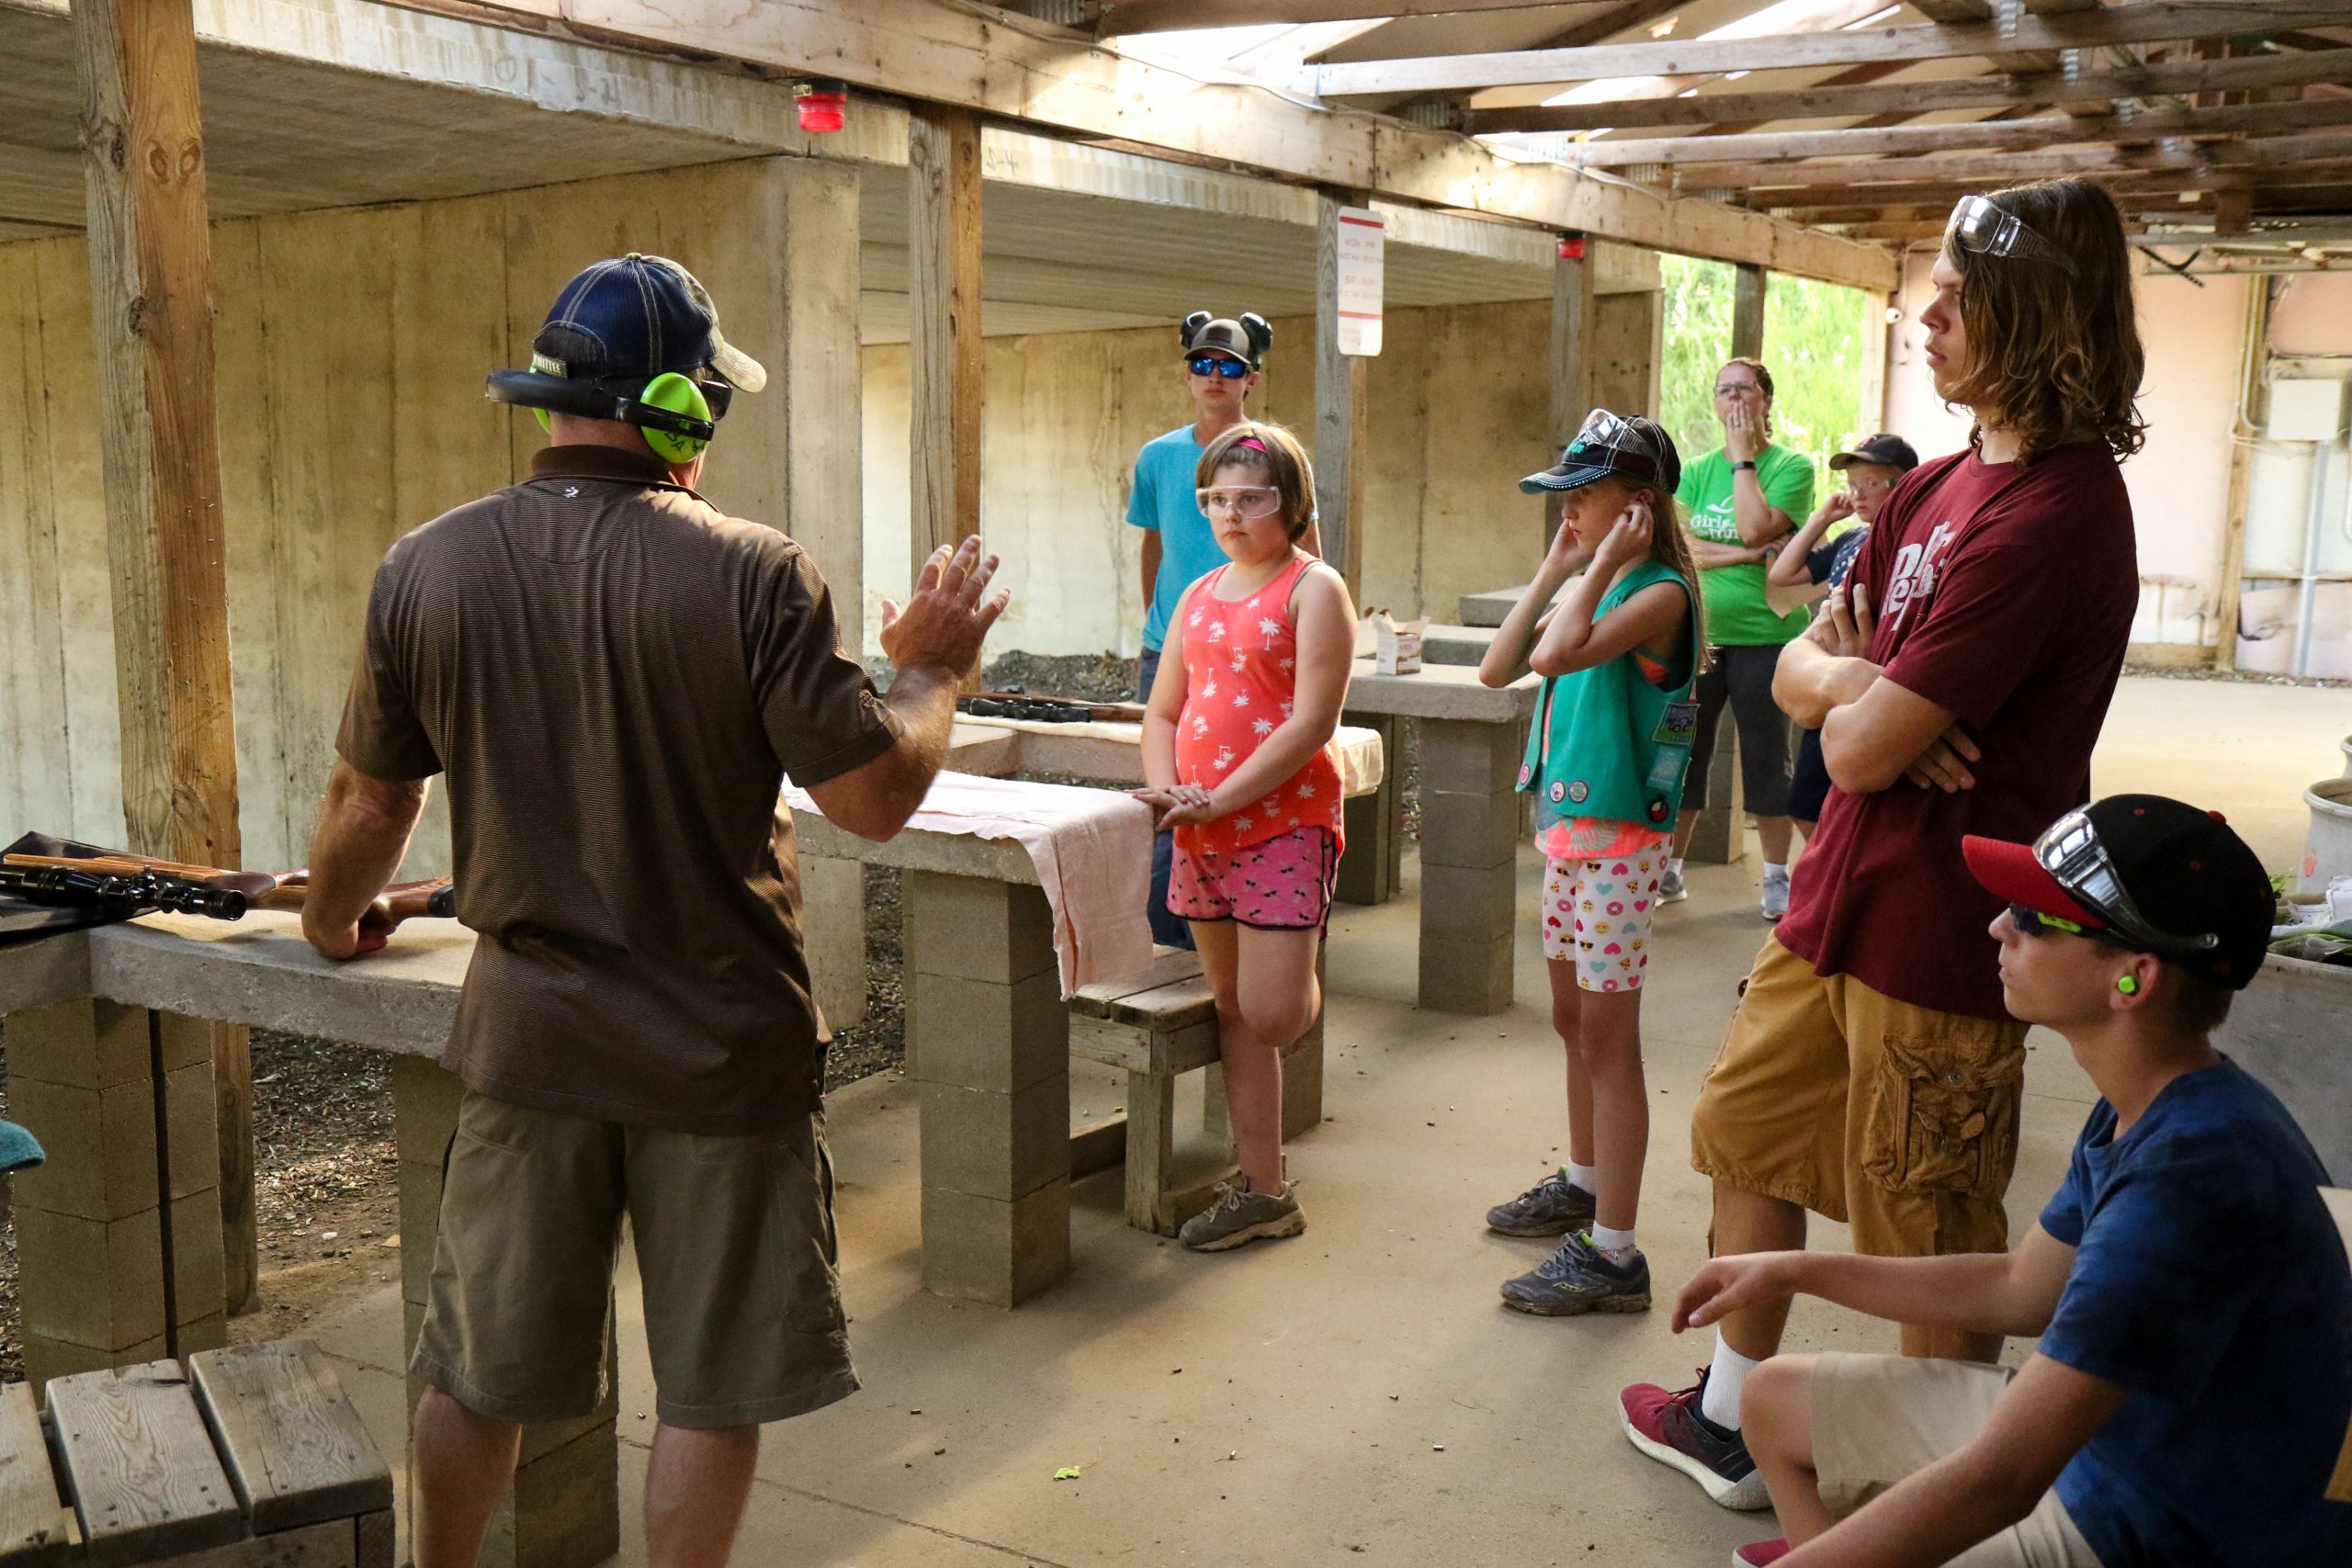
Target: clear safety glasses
2071,852
1241,501
1606,440
1977,225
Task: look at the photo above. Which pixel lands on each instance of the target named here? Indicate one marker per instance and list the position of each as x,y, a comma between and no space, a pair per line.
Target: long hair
1670,541
1274,452
2056,351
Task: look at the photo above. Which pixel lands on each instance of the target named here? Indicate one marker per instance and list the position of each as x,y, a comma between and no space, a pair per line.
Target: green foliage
1812,342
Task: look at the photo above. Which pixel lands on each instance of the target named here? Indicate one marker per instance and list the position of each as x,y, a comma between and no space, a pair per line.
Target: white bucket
2347,756
2328,853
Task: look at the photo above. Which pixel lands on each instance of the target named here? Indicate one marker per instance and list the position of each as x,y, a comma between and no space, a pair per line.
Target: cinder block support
564,1511
1470,821
1373,867
118,1234
987,1043
833,931
1719,838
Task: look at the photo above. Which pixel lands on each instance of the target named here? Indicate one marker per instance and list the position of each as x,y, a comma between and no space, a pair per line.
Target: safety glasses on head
1978,225
1604,438
1216,365
2069,851
1242,501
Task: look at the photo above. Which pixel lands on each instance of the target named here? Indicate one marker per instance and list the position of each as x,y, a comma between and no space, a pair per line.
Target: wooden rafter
2266,153
2142,21
1995,91
1162,15
1811,202
1984,135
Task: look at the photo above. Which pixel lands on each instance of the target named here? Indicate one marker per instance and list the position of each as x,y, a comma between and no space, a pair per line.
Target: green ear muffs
675,394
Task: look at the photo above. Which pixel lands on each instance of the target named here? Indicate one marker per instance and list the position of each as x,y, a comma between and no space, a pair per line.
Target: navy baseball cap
635,317
1891,450
1625,446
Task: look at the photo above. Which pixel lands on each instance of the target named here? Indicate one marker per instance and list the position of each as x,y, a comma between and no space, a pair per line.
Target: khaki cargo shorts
1877,1419
1898,1120
734,1242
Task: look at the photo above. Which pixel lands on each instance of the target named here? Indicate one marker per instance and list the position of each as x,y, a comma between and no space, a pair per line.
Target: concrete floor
1358,1394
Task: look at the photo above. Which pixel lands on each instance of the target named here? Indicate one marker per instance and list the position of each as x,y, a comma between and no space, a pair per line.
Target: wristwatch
1747,465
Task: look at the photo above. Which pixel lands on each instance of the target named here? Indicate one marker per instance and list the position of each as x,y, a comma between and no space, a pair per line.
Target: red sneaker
1668,1426
1759,1553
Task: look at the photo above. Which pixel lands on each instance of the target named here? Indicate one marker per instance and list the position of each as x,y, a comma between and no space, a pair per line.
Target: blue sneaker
1553,1206
1580,1279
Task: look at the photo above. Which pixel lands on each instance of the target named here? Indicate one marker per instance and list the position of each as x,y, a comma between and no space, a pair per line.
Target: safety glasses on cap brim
2069,851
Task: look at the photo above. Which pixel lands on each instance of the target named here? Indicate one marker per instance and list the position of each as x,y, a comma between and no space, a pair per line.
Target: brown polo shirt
616,677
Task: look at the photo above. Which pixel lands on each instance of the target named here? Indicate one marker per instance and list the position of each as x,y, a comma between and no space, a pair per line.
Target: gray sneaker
1553,1206
1243,1214
1579,1279
1670,887
1775,902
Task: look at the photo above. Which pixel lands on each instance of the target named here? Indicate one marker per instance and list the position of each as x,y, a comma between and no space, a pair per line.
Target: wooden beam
1998,90
1341,405
1571,364
1999,169
2120,183
2136,21
1121,16
1982,135
964,59
1747,314
943,257
151,312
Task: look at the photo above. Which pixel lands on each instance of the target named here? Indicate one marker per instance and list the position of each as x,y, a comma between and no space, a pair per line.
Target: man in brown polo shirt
617,678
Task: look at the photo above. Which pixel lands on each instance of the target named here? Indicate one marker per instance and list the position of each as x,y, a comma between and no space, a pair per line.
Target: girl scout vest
1608,743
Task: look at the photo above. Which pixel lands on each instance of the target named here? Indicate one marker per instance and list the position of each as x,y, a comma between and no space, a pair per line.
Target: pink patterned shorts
1597,914
1284,883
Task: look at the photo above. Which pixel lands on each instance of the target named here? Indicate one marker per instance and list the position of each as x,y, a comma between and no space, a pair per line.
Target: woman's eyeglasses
1216,365
1241,501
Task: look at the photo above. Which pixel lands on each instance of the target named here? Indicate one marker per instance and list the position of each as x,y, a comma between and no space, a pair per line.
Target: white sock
1614,1243
1725,1378
1775,872
1674,866
1580,1177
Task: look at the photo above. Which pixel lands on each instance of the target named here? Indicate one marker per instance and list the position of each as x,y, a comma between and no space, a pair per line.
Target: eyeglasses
1733,388
2069,851
1977,225
2031,921
1216,365
1868,486
1242,501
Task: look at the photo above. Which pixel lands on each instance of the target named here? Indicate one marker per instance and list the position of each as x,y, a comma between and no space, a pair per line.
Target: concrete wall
1459,410
351,347
2179,482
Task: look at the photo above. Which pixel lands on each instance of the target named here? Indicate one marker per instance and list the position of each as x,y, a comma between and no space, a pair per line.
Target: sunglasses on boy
1216,365
1978,226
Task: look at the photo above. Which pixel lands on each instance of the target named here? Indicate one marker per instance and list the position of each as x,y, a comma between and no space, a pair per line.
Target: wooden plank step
295,1448
1170,1006
140,1462
1168,965
36,1529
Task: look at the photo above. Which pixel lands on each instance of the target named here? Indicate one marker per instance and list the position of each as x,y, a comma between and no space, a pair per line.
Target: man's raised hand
945,621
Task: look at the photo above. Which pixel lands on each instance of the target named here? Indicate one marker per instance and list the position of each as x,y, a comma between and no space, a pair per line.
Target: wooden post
1628,350
1340,405
1571,361
151,309
2254,361
1876,329
944,256
1747,314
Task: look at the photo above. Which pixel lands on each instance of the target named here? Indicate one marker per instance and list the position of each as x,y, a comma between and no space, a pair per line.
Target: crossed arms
1873,731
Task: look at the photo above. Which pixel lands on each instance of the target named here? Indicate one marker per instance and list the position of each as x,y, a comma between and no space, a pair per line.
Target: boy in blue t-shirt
2192,1387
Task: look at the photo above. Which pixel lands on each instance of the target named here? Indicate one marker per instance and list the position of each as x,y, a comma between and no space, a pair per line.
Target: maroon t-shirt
2005,595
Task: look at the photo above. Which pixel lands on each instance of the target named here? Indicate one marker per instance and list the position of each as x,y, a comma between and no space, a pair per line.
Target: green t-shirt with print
1736,614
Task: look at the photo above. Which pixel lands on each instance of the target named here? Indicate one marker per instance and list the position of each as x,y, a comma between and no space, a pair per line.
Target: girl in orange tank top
1236,750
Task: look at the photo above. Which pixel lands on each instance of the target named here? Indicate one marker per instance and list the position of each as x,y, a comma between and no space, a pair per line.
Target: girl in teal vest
1605,760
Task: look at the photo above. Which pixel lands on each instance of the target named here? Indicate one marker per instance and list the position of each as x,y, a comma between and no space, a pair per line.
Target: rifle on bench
120,887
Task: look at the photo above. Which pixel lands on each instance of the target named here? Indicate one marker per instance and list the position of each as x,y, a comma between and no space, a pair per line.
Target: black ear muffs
1260,330
670,411
1191,324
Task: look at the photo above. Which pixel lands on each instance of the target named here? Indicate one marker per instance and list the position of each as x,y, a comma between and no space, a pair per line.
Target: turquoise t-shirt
1736,614
1163,501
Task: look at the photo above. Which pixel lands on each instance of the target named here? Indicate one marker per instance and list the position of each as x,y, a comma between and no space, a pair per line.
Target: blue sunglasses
1216,365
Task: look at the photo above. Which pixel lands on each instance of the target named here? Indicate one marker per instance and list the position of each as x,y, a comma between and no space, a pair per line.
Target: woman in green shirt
1743,499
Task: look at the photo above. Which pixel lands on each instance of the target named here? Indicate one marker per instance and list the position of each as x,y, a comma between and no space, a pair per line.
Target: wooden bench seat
1156,1025
251,1458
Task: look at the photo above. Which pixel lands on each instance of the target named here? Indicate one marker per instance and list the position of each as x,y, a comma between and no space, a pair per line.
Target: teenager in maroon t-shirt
1871,1073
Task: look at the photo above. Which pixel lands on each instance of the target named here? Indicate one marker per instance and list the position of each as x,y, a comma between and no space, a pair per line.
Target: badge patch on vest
1526,772
1658,808
1579,792
1559,792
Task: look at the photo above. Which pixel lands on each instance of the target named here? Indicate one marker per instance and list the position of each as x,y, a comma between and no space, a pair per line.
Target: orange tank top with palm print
1240,676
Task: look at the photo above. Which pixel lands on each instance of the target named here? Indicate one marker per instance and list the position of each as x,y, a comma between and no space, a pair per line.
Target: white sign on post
1361,233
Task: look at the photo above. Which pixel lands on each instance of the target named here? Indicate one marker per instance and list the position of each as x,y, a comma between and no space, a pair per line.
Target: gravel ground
2235,677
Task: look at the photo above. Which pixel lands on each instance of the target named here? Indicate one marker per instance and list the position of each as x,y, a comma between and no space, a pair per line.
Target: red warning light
820,104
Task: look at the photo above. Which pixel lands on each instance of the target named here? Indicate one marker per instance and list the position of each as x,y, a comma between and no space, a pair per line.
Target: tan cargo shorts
735,1246
1898,1120
1877,1419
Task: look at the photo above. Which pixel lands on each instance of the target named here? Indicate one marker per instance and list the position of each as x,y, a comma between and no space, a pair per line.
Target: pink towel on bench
1091,849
